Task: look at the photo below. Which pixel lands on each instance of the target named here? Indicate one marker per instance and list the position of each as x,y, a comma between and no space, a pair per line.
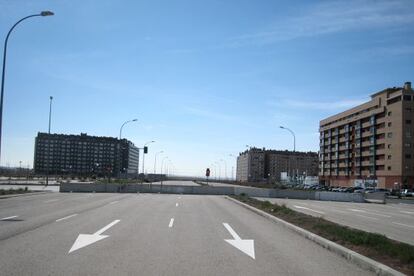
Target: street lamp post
48,141
218,164
294,144
162,164
155,161
3,75
225,168
143,155
232,167
126,122
293,134
120,144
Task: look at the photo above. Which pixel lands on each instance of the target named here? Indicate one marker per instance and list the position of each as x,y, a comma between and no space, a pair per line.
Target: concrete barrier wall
345,197
210,190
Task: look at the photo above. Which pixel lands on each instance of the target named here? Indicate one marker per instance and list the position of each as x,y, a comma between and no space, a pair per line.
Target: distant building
84,155
372,143
261,165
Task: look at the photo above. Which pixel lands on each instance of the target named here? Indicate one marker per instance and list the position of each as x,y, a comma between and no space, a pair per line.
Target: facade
261,165
372,143
84,155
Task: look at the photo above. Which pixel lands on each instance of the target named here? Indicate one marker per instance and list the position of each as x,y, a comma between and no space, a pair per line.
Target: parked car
381,190
407,192
359,190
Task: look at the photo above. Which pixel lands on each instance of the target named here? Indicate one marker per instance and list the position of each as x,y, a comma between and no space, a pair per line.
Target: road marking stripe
113,202
171,223
402,224
407,212
9,218
176,205
67,217
362,216
52,200
306,208
370,212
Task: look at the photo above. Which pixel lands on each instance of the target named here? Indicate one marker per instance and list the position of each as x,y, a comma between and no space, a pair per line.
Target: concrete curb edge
352,256
25,194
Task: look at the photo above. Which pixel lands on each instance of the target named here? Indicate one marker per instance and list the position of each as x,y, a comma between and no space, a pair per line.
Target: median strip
368,250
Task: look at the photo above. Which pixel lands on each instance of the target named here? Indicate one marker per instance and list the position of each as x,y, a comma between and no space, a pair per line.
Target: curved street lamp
293,134
155,161
120,130
3,75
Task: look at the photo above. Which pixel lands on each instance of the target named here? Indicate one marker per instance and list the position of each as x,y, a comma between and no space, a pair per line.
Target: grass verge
397,255
14,191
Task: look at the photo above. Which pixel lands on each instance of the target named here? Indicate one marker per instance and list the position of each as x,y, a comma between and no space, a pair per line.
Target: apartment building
372,143
261,165
84,155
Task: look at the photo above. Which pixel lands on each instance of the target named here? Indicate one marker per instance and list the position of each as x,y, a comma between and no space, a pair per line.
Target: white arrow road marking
245,246
67,217
12,217
171,223
87,239
309,209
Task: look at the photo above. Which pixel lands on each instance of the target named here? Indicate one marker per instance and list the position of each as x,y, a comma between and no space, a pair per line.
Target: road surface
152,234
395,221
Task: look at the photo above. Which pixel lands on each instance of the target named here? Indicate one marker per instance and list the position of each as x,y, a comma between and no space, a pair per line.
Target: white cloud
333,17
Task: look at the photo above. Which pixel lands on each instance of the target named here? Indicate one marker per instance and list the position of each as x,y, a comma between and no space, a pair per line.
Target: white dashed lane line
67,217
402,224
12,217
52,200
309,209
171,223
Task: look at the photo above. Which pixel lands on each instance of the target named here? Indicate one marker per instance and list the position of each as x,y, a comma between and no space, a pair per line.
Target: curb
352,256
25,194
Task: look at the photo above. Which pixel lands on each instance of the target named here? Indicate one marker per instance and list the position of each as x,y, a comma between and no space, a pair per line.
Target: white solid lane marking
371,213
52,200
113,202
67,217
171,223
176,205
402,224
12,217
309,209
362,216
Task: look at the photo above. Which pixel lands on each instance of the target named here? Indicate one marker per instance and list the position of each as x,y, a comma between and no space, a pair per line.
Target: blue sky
204,78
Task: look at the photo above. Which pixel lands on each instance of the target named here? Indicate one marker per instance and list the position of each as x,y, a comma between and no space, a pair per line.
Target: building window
389,113
408,134
407,145
407,98
389,146
389,157
408,122
408,156
389,168
408,109
389,135
389,124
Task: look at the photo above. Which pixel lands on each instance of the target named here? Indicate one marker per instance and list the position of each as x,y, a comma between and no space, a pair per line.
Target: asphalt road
395,221
151,234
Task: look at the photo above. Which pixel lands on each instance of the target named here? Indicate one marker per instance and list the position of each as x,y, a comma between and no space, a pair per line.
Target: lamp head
46,13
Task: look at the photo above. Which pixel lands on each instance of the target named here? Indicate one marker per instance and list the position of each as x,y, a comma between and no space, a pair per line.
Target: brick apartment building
370,143
84,155
261,165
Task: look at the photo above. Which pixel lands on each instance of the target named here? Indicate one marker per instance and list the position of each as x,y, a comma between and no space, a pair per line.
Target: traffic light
145,150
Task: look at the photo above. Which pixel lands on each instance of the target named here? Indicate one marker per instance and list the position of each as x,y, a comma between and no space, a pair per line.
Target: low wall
333,196
209,190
